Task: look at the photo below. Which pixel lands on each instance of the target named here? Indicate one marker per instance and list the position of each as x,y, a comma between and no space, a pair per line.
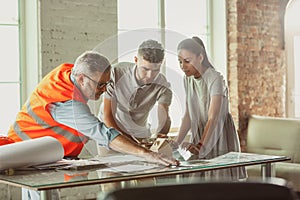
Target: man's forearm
124,145
165,128
164,121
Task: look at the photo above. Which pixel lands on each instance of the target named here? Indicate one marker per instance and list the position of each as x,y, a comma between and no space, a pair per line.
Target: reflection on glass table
127,167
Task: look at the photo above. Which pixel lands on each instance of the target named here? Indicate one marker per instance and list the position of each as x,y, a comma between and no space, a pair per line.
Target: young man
135,89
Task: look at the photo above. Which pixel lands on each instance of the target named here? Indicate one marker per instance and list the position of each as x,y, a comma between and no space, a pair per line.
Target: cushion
274,136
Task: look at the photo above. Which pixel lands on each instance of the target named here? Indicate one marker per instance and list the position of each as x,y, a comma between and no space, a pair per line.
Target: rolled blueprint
30,152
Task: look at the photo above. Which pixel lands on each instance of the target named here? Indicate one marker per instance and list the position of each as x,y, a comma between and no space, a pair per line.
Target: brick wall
70,27
256,59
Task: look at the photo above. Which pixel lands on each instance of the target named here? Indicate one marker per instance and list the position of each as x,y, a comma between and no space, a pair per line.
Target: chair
272,189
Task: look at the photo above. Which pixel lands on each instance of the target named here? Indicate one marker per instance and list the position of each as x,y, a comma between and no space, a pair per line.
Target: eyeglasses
99,85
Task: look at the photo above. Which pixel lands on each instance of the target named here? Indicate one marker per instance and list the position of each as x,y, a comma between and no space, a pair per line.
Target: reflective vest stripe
35,121
19,132
66,134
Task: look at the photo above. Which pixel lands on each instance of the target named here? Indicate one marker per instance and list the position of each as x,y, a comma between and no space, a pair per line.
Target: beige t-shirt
223,137
132,102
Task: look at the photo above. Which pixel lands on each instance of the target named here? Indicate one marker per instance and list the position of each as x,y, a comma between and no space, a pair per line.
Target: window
10,81
297,71
292,47
169,22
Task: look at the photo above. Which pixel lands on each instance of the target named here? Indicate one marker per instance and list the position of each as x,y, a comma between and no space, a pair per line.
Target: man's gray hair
90,62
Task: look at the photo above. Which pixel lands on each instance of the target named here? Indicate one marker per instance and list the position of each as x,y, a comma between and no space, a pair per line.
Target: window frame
17,82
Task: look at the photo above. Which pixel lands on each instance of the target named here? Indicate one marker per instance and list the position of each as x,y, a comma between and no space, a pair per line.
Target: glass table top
122,168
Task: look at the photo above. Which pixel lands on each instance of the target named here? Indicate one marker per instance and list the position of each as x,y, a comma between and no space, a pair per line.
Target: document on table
125,163
119,162
96,162
233,157
72,165
184,153
129,168
119,158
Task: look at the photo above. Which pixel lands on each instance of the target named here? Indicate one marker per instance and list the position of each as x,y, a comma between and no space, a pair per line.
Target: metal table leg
267,170
45,194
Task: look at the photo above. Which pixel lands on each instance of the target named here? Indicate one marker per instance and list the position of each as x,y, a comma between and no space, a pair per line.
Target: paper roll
30,152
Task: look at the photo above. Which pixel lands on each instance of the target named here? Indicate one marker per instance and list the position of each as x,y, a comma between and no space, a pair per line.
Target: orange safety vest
34,120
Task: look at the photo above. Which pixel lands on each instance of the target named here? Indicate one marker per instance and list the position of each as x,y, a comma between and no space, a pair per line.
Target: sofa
276,136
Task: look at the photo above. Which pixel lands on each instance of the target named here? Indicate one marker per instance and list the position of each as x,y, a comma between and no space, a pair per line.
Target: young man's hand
160,158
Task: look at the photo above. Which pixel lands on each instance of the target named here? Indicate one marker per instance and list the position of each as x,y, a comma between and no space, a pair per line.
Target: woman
207,108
